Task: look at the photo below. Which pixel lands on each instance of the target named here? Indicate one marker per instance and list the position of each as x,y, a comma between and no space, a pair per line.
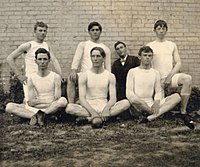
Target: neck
160,39
43,72
146,67
95,40
38,40
97,70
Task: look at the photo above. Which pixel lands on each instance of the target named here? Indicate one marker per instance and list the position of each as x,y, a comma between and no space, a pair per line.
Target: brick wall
128,20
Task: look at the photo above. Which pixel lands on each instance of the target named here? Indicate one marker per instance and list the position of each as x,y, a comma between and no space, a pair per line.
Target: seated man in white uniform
82,58
168,63
94,86
44,92
143,89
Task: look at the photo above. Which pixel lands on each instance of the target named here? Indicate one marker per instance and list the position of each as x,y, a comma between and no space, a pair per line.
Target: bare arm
157,87
13,56
112,93
82,95
55,62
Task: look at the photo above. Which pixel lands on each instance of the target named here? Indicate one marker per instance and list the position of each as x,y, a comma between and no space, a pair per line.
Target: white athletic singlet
163,56
145,82
97,89
86,62
30,65
45,86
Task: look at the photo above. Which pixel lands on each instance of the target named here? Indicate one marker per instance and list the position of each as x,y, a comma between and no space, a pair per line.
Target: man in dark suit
121,67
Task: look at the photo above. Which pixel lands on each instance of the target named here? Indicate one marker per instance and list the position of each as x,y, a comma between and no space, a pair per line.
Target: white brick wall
128,20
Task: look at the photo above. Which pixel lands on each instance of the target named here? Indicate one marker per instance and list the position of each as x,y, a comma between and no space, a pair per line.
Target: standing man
143,89
82,58
44,95
121,67
94,86
28,50
167,61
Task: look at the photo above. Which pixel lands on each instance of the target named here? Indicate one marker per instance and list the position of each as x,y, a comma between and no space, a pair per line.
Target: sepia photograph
100,83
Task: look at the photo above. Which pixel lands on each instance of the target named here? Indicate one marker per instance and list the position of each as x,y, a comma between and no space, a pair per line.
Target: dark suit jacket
121,72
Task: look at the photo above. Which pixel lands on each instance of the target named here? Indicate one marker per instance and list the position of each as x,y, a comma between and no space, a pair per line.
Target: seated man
44,92
94,86
143,89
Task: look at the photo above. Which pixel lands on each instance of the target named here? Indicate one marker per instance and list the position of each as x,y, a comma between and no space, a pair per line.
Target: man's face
160,31
42,61
95,33
146,58
41,33
121,50
96,58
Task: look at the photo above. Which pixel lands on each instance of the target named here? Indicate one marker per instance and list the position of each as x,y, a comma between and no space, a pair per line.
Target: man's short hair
160,23
145,49
40,24
119,42
42,50
101,50
94,23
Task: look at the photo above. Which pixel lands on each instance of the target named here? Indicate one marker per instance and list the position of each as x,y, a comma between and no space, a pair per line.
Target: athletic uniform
146,84
44,88
163,59
30,65
97,89
85,58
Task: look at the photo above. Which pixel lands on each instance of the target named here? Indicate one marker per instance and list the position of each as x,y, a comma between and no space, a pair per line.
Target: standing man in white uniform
44,95
143,89
28,50
94,86
82,58
168,62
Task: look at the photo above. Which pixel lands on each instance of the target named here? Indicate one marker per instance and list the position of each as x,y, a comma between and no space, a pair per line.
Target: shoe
40,116
33,120
188,122
97,123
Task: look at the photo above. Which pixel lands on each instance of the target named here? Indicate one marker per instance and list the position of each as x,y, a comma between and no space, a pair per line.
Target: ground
122,143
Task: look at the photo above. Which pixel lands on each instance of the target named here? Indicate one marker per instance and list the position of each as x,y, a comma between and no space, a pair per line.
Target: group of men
134,84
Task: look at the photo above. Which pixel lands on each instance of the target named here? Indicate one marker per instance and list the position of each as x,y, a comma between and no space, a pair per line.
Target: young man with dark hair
44,92
82,58
168,62
94,86
143,89
28,50
121,67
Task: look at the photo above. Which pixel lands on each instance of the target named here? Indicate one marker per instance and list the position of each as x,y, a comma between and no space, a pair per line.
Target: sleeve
78,55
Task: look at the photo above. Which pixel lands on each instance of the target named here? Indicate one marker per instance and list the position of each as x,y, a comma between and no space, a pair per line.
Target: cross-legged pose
82,58
28,50
167,61
94,86
44,95
143,89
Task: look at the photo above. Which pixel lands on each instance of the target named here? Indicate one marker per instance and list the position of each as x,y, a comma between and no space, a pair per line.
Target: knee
177,98
133,101
62,102
187,80
69,108
9,107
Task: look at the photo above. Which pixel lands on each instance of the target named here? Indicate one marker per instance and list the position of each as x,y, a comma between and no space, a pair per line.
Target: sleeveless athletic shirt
30,65
86,62
163,56
45,86
97,85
